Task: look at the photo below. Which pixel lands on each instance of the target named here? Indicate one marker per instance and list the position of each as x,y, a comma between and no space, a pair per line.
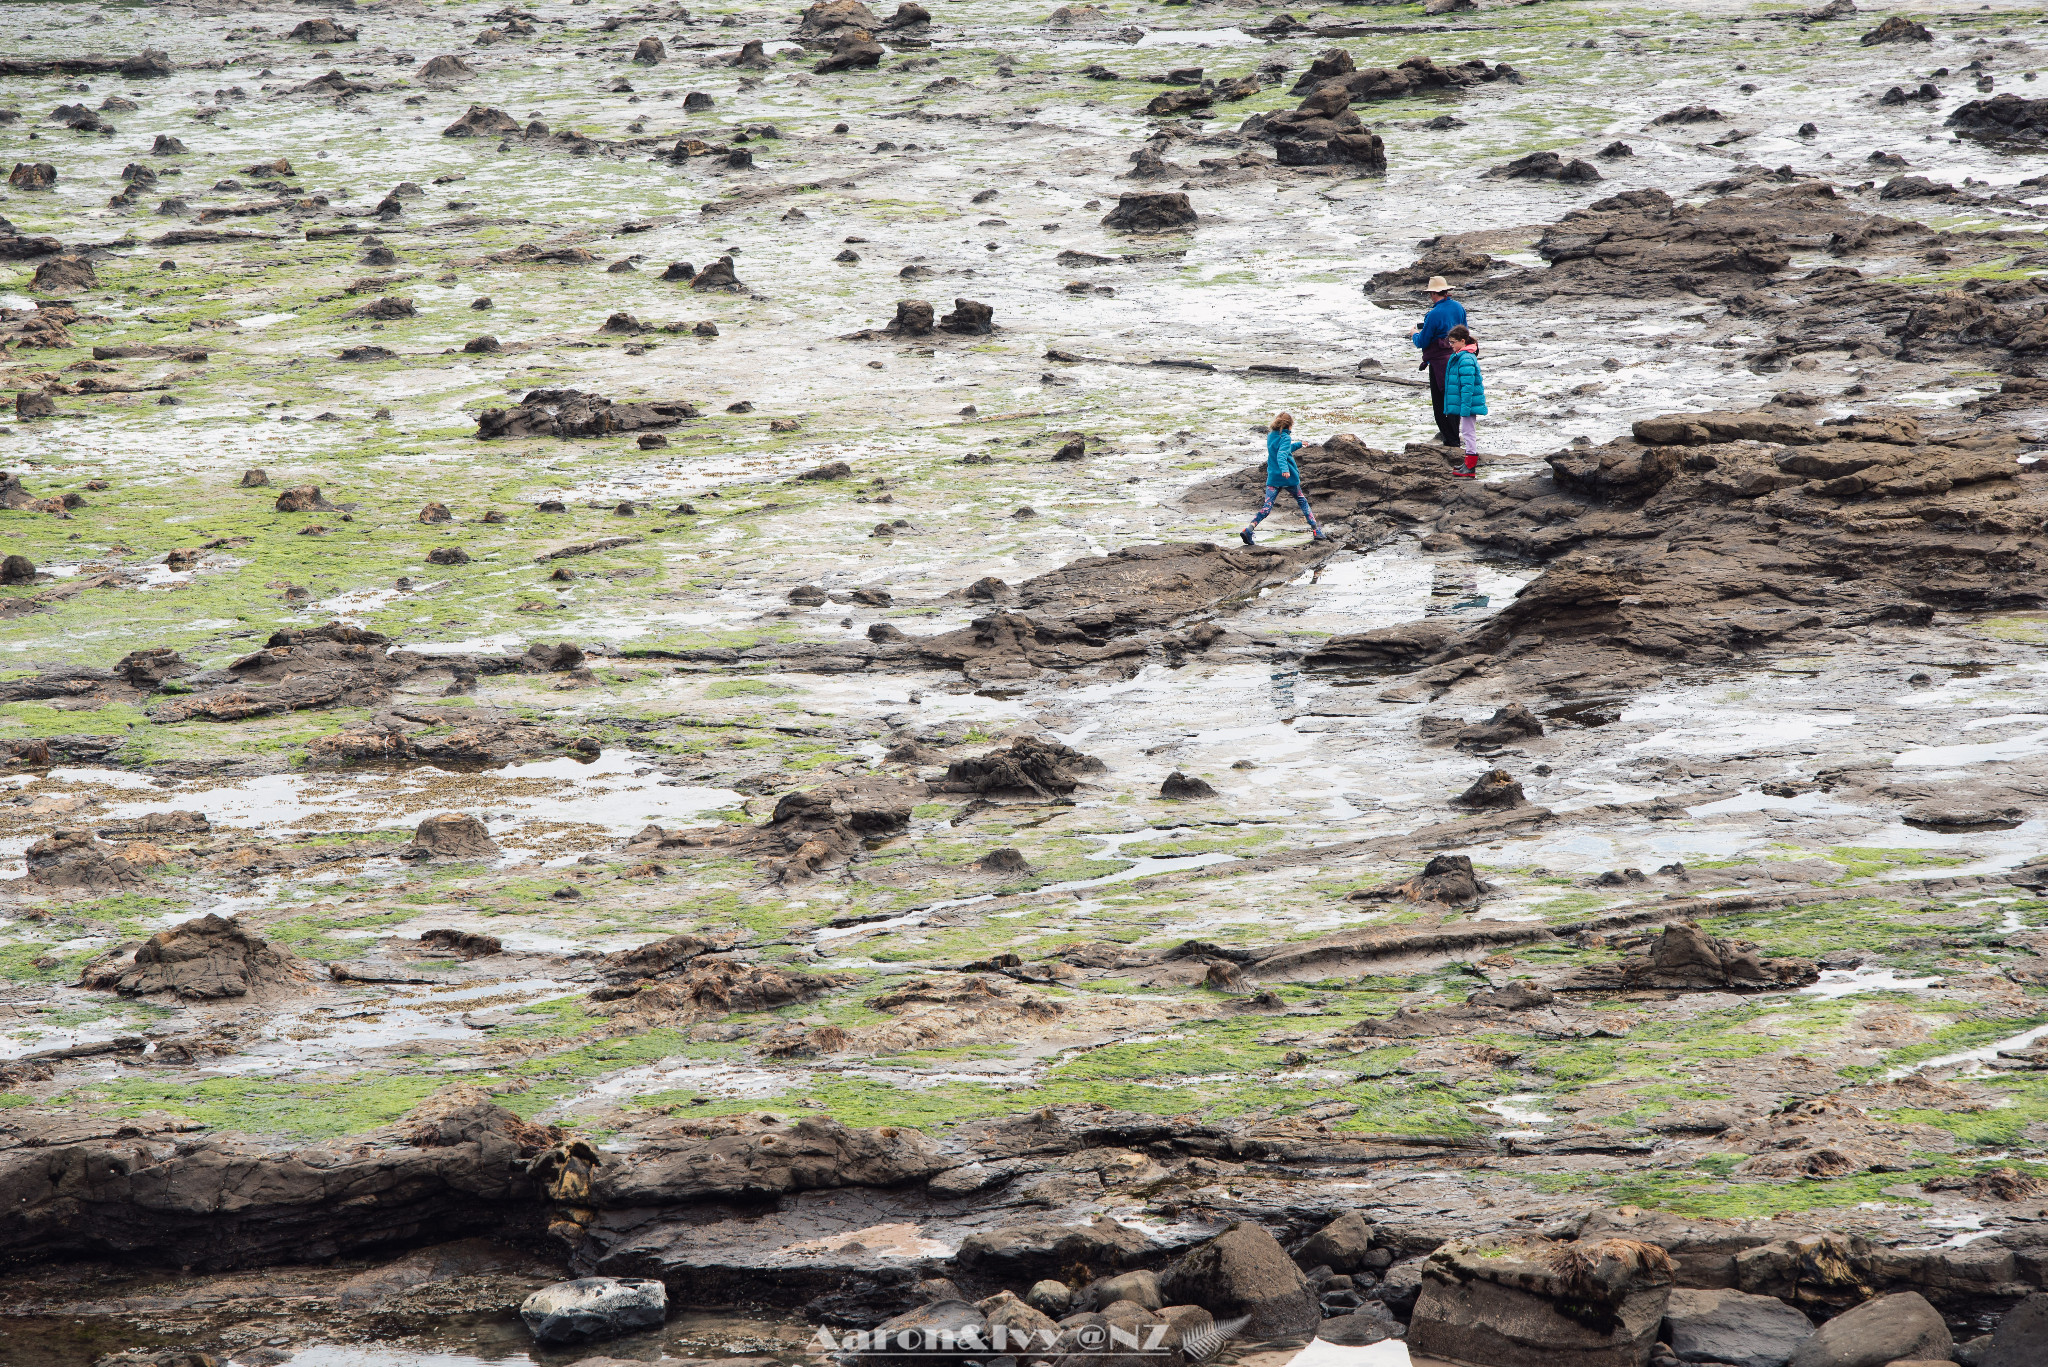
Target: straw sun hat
1439,285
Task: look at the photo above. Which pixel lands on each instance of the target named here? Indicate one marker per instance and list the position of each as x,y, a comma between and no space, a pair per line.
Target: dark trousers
1446,423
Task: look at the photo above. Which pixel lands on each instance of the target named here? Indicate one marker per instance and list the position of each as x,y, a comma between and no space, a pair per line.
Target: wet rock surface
923,870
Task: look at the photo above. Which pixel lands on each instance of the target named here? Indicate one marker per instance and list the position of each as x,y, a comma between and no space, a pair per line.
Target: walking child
1465,395
1282,473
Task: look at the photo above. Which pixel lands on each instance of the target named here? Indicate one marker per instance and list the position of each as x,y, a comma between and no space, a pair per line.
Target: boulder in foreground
1901,1327
594,1308
1532,1303
1244,1271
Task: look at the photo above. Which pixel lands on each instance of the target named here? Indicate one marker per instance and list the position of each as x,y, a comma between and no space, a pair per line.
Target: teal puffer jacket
1464,391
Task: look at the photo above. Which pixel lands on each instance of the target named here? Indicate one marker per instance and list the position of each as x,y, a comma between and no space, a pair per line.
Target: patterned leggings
1273,492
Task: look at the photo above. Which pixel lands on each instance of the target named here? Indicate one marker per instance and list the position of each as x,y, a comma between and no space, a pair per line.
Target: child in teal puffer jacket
1465,395
1282,473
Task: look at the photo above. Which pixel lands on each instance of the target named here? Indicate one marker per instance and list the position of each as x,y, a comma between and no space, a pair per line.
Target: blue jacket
1464,390
1440,319
1280,466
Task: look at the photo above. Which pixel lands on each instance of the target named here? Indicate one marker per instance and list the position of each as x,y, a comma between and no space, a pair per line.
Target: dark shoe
1246,537
1317,535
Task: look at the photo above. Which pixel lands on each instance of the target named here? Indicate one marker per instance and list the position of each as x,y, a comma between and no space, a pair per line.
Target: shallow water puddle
1846,982
617,791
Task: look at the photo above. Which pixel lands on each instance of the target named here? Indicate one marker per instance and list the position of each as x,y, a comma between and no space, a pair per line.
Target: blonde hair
1282,422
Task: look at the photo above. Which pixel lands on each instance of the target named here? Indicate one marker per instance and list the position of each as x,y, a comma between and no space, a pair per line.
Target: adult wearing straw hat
1444,314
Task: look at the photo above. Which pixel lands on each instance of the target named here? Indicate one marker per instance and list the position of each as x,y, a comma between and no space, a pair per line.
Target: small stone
593,1307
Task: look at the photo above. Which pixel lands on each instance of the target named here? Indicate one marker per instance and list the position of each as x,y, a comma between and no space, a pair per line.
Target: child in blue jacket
1282,473
1465,395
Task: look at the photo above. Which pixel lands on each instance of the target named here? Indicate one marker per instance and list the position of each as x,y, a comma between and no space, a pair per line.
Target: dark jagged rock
1185,787
719,275
1897,29
73,859
66,275
1711,600
1686,958
1508,725
659,958
322,31
19,248
852,48
1147,164
1494,788
481,121
1413,76
298,670
1151,211
1173,103
969,318
1027,766
451,835
650,52
914,318
570,413
389,307
2018,1338
1447,880
1003,860
2003,119
445,68
1321,132
1545,166
200,959
826,18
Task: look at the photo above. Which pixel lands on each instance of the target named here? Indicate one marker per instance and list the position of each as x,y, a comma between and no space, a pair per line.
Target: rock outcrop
1687,959
1027,767
201,959
2005,119
810,831
451,835
1151,211
570,413
1530,1303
